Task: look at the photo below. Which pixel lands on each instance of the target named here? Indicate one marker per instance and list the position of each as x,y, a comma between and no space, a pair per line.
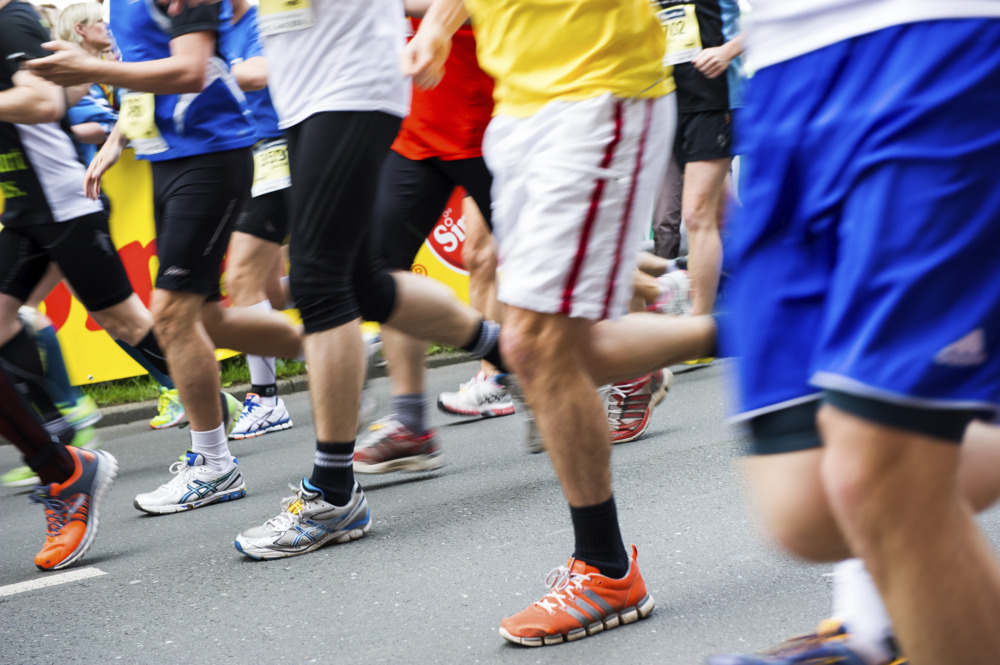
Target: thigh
22,263
265,217
198,201
703,136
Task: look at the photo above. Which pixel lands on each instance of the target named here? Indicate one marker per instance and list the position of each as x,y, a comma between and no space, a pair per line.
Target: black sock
20,425
150,348
26,370
598,539
485,344
270,390
333,471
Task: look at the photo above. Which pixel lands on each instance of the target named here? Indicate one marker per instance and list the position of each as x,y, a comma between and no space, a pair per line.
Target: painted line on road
51,580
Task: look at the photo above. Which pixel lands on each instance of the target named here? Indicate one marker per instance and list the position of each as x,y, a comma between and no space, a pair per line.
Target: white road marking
51,580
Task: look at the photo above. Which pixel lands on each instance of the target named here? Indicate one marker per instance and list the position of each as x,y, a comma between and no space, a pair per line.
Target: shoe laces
563,583
164,402
614,399
291,511
55,512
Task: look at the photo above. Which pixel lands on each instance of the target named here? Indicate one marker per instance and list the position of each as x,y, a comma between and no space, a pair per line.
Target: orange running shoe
582,602
72,508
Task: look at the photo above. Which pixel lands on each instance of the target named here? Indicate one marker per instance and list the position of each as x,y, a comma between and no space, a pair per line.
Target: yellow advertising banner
92,356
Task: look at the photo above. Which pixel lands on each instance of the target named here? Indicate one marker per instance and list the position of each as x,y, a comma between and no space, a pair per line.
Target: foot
72,508
581,602
257,419
306,523
675,294
23,476
82,414
480,396
232,411
630,404
831,644
170,411
391,446
195,484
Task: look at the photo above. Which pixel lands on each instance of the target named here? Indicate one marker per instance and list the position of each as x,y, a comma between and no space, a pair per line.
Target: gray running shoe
306,523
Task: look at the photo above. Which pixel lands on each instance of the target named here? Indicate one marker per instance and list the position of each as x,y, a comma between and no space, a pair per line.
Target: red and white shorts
573,189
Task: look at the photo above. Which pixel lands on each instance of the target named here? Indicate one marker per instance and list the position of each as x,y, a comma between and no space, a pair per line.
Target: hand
712,62
103,160
69,65
425,55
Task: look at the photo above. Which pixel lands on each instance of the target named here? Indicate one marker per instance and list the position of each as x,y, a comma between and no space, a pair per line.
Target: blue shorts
867,257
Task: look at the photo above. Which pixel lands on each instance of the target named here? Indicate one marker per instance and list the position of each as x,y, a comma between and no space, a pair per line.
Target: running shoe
630,404
257,419
479,396
831,644
194,485
72,508
306,523
22,476
581,602
170,411
232,411
675,294
391,446
83,413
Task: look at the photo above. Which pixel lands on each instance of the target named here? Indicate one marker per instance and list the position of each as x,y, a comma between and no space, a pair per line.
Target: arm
183,71
425,55
89,132
712,62
103,160
31,101
251,73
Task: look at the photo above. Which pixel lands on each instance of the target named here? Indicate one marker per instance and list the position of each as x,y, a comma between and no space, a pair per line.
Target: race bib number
138,121
270,167
277,16
680,22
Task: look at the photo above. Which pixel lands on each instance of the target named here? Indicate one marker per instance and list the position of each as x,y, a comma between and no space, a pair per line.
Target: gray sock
411,410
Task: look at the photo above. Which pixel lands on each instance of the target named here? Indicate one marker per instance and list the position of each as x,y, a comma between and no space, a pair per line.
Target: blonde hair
80,13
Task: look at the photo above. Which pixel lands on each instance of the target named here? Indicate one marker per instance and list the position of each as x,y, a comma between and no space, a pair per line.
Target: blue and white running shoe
195,484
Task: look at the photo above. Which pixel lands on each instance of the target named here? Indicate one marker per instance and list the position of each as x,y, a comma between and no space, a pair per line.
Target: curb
129,413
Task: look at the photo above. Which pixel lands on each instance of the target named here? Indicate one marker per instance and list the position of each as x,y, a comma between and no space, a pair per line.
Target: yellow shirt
539,51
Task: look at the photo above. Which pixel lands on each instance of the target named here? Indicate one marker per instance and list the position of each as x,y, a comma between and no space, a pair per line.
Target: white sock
856,602
212,445
262,370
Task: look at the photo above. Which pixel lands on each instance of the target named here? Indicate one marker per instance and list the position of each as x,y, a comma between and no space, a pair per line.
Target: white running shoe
675,294
257,419
194,485
480,396
307,522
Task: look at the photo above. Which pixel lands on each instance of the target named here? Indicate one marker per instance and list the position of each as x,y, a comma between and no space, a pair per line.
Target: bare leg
265,333
336,360
704,187
480,258
250,264
405,357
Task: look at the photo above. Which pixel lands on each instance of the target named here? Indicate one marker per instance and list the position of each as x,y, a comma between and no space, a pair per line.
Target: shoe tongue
193,459
308,491
581,568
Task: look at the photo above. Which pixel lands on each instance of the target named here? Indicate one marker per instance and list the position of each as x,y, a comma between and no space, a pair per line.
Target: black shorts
266,217
703,135
411,196
83,250
196,201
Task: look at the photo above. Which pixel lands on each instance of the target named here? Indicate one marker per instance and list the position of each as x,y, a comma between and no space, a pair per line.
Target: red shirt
449,121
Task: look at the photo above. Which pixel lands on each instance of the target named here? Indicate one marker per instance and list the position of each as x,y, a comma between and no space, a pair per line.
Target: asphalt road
450,553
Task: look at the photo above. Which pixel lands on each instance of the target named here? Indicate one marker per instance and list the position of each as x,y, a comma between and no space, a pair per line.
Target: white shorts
573,190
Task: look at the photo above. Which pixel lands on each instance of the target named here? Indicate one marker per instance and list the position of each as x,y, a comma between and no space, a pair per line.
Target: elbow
253,83
50,111
191,79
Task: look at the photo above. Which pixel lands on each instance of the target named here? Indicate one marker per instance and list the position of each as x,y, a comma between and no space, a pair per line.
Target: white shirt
783,29
347,61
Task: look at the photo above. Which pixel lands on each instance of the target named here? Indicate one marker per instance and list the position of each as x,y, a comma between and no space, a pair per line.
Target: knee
529,341
701,216
175,314
806,533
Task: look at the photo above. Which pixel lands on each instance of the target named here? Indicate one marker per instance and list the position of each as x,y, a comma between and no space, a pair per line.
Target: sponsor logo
966,352
448,236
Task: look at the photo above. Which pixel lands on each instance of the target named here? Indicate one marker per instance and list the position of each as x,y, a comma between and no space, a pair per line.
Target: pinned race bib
138,121
680,22
277,16
270,167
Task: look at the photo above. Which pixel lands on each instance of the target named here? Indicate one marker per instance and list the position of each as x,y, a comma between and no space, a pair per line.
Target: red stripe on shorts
588,222
627,214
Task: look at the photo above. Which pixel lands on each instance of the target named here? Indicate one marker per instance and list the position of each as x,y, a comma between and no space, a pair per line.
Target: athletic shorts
412,195
83,250
266,217
573,190
703,135
865,260
196,201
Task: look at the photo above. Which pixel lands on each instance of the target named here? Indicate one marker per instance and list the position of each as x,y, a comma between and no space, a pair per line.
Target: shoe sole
277,427
628,615
24,482
415,463
491,412
347,536
107,470
230,495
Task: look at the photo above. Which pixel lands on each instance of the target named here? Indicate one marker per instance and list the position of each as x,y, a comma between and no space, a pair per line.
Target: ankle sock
213,446
857,602
485,344
411,410
333,471
598,538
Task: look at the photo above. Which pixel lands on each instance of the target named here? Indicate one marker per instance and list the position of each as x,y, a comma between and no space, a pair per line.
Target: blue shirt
215,119
242,44
735,76
95,107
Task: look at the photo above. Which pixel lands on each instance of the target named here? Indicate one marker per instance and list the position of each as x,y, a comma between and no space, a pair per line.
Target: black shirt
695,92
